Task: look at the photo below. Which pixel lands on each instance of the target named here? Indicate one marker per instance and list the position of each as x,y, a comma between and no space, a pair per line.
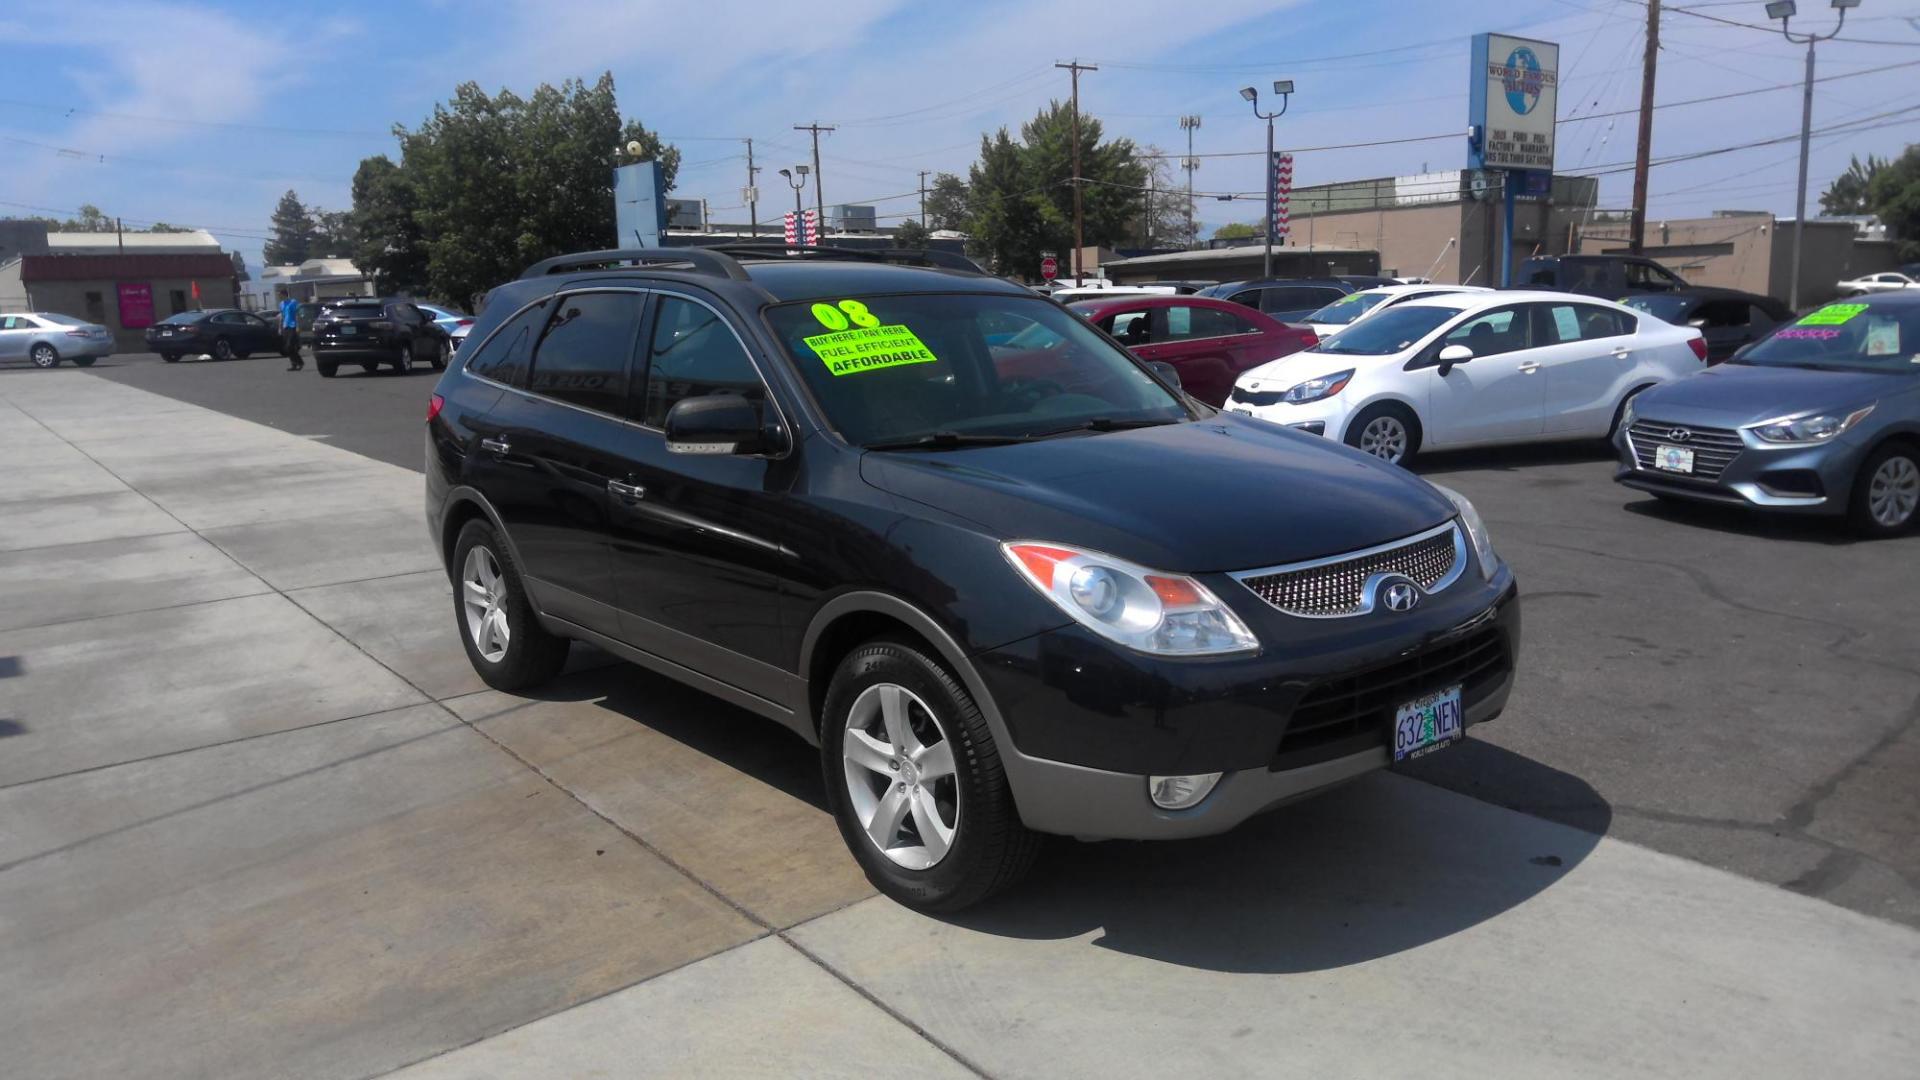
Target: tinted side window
1298,298
1496,332
1760,320
503,358
1599,322
1248,297
693,353
582,358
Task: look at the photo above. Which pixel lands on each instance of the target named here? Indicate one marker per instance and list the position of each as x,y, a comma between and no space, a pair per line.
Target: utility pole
1637,230
753,194
819,189
1079,236
1189,124
1784,11
923,198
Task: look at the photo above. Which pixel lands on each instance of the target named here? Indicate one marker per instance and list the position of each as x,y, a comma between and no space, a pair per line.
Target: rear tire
326,369
84,361
222,349
1886,493
1388,430
442,351
44,356
170,357
980,846
503,637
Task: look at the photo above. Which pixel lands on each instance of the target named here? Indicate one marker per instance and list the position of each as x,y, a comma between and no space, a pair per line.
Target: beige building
1753,252
123,281
315,279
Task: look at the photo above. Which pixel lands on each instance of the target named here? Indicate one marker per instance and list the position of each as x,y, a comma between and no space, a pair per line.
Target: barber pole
810,222
1279,212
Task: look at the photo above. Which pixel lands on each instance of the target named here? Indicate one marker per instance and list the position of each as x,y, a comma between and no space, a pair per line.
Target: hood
1226,493
1295,367
1733,395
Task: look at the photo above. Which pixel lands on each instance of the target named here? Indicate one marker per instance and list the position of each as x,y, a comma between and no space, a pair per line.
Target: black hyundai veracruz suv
1072,601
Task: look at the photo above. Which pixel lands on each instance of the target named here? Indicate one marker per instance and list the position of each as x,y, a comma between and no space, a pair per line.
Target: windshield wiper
943,440
1107,423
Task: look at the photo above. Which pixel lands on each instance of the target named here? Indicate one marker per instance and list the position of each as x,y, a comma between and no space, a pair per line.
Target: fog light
1180,792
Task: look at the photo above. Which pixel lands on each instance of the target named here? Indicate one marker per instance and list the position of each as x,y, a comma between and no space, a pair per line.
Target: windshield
185,317
1853,337
354,311
893,369
65,320
1348,308
1390,331
1665,307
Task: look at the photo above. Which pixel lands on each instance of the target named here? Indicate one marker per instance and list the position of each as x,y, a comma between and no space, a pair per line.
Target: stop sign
1049,269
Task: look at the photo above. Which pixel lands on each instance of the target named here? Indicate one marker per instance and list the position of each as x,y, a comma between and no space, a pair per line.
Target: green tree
947,202
163,227
388,245
912,234
332,234
1894,195
1236,230
1020,195
1848,192
293,228
493,183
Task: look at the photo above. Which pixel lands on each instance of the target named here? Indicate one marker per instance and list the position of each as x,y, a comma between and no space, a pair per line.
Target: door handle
1622,352
494,444
1530,366
630,492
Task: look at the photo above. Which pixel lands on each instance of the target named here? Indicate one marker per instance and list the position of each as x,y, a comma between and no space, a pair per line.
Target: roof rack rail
701,259
775,249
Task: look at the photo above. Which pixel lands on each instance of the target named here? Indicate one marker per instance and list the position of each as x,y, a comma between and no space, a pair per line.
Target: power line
1772,30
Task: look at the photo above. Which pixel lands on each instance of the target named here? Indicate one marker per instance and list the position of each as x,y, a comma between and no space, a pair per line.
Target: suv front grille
1331,588
1257,397
1713,448
1351,713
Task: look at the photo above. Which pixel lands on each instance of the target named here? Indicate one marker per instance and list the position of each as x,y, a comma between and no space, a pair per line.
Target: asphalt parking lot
1737,690
249,786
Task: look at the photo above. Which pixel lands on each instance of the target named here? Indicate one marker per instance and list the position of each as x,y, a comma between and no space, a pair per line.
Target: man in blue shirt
290,330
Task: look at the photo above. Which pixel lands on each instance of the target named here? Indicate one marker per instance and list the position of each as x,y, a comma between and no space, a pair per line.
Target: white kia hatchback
1472,369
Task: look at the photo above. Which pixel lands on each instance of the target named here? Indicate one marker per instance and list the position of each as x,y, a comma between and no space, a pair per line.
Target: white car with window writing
1472,369
1353,307
1888,281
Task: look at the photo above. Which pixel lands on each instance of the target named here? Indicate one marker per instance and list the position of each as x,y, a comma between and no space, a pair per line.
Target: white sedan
1353,307
1876,283
1472,369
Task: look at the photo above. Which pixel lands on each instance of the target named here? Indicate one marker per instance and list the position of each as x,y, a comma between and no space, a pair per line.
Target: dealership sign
1512,103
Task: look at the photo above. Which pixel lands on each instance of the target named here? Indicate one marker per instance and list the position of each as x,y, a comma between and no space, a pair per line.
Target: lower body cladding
1090,724
1814,480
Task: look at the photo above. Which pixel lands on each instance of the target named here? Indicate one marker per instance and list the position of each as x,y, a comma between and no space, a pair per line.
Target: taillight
434,405
1699,346
79,333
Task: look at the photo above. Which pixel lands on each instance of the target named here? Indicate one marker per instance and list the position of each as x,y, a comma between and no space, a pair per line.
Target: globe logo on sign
1522,80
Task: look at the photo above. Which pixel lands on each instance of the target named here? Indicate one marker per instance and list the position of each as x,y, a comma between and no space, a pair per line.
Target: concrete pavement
257,818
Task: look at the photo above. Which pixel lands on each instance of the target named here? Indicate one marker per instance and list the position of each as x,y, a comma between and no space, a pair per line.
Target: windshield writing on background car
935,367
1389,332
1852,336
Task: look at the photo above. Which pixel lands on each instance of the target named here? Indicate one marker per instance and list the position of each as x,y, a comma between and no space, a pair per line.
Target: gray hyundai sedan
1821,417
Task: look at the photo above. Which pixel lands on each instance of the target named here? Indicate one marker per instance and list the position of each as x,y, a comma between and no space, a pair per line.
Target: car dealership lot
249,784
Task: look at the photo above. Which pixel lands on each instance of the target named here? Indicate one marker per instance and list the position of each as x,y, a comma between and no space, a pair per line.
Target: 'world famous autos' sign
1512,103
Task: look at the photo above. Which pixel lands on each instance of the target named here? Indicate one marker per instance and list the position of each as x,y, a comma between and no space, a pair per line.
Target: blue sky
203,113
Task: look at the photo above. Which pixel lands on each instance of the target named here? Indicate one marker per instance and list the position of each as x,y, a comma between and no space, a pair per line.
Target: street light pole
796,178
1284,88
1784,11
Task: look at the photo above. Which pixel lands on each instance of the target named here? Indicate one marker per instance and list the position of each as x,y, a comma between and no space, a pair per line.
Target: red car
1209,342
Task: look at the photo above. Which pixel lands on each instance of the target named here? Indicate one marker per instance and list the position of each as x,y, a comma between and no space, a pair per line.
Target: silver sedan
48,339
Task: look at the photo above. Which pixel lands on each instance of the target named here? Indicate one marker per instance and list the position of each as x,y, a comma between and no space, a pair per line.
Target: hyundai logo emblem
1680,434
1400,595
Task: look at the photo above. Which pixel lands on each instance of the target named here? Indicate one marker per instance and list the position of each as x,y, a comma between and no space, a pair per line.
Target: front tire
326,370
223,349
915,782
1388,431
1886,493
503,637
44,356
170,357
442,351
403,364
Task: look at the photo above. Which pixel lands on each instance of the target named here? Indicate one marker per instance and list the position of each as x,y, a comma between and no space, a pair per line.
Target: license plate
349,330
1673,459
1426,724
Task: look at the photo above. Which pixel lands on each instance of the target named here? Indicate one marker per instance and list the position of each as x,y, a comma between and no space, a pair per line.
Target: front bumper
1087,722
1326,417
355,349
1809,480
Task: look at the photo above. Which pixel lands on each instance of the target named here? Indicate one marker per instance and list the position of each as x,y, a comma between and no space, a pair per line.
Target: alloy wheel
483,596
900,776
1894,492
44,356
1385,437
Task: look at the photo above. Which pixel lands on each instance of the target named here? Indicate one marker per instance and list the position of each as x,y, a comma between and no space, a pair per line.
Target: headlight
1476,531
1809,429
1163,614
1626,414
1314,389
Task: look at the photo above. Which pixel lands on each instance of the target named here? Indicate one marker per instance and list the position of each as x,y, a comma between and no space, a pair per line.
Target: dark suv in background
1609,276
1284,299
372,332
1000,605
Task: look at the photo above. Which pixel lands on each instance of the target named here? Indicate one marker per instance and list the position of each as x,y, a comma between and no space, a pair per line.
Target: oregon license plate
1673,459
1426,724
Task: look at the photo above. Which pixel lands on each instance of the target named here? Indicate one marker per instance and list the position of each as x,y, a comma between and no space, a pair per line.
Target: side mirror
721,424
1451,355
1697,324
